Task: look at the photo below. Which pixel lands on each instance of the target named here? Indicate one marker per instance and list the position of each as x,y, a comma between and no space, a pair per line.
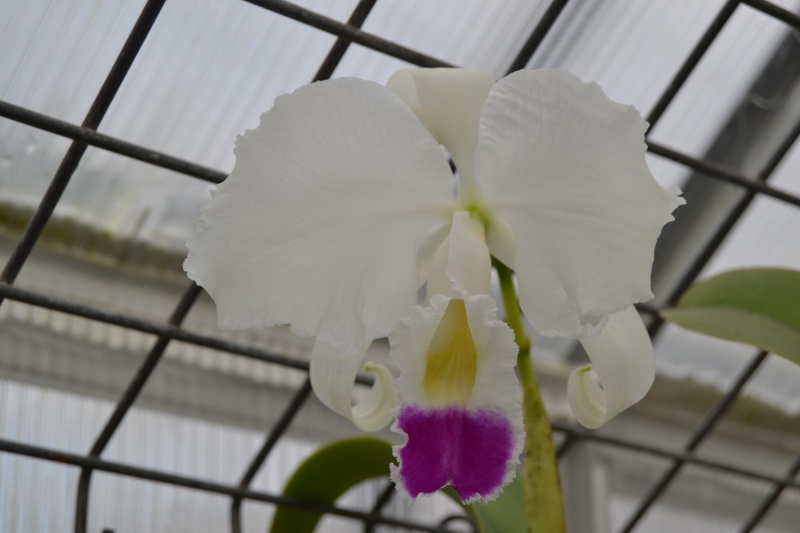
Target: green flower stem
544,507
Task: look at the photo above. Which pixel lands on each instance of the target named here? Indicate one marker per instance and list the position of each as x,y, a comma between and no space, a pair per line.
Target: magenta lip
469,450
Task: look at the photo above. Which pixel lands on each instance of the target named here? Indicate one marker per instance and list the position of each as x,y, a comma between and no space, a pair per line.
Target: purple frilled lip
470,450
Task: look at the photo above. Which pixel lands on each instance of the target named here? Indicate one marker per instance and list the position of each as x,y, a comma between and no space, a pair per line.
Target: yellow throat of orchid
452,360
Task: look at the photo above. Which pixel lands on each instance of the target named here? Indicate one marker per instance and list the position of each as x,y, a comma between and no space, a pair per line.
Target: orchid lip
459,398
468,450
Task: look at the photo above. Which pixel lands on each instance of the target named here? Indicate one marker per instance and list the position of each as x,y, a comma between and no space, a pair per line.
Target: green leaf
504,515
759,306
471,509
507,513
328,474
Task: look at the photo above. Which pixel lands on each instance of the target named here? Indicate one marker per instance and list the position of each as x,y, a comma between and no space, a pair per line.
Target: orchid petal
563,166
448,102
621,373
462,263
332,378
321,220
474,442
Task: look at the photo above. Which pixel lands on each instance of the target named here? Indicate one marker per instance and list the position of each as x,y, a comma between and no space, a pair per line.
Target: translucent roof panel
634,49
467,33
205,74
209,69
54,55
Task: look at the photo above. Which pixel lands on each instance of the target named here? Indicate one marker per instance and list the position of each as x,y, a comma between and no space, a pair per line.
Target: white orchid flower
339,209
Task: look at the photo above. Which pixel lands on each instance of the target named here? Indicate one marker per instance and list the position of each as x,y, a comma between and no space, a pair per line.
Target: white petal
621,373
462,263
333,376
563,166
321,220
449,102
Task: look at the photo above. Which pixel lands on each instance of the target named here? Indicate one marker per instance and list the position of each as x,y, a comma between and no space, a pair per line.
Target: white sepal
332,377
621,373
448,101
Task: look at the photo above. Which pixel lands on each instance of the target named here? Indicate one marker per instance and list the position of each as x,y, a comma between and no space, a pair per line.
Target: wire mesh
86,135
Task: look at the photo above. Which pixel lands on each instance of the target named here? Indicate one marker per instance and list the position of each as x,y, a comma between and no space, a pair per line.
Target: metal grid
86,135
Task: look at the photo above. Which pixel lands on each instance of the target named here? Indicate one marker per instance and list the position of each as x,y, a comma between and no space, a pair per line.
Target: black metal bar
775,11
537,36
580,433
722,173
95,463
698,435
15,293
22,295
345,31
103,465
126,401
337,51
112,144
276,433
770,499
145,370
691,62
75,152
141,153
565,446
154,328
381,501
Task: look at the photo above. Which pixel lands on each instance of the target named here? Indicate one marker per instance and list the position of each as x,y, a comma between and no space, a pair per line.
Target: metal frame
86,135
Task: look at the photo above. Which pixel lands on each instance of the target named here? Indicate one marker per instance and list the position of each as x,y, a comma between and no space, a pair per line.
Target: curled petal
462,263
621,373
448,101
333,376
320,223
563,167
473,442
